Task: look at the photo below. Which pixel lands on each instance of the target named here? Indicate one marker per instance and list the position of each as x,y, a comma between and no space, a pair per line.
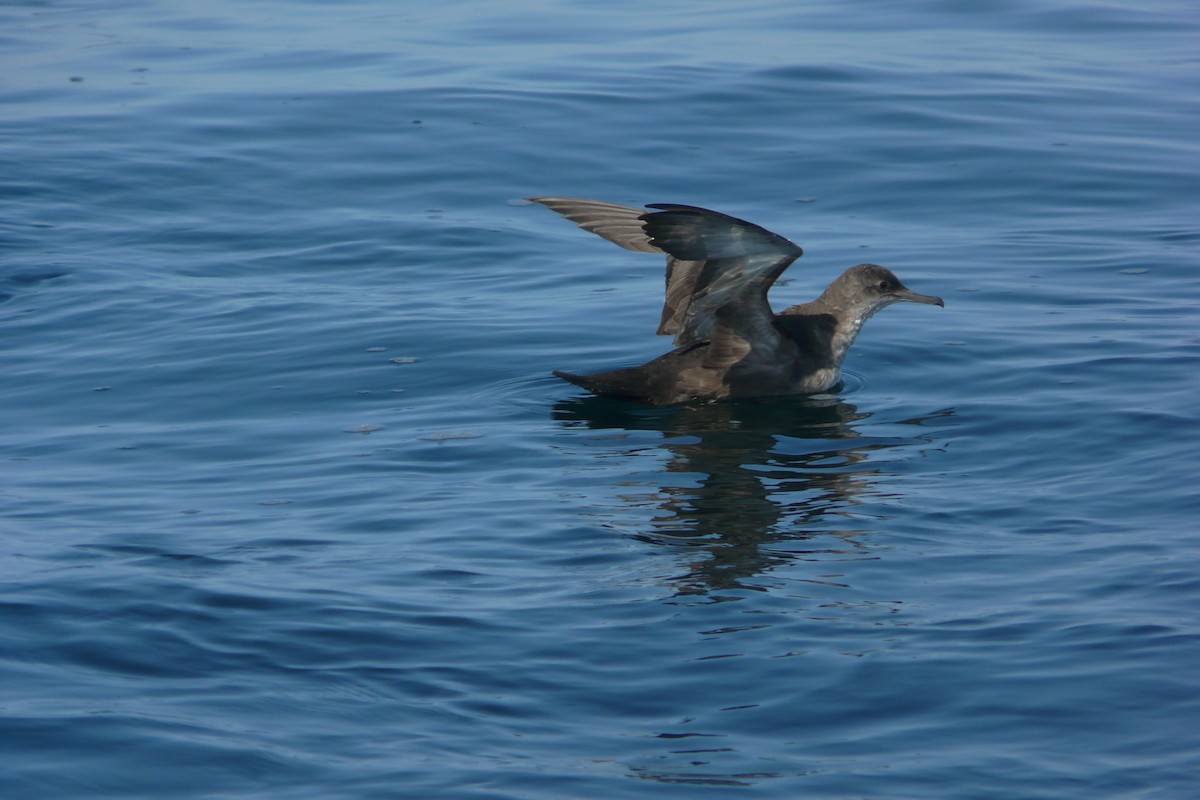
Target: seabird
728,341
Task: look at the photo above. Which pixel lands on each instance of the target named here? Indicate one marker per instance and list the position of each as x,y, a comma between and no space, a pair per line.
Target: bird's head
867,288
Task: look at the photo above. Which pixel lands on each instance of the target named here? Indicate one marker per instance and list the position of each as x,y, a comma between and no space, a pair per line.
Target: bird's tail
606,384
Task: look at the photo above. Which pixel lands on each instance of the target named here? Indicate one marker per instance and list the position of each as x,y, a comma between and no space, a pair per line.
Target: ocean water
291,506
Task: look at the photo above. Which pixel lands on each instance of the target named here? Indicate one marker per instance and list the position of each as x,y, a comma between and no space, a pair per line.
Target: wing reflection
750,485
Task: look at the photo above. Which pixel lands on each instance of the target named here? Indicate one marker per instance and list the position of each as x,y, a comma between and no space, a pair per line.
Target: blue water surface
293,508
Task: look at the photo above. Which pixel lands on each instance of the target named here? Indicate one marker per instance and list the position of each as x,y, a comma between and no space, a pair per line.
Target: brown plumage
729,343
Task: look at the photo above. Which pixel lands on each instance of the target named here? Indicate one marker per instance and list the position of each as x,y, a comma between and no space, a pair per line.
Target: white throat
848,328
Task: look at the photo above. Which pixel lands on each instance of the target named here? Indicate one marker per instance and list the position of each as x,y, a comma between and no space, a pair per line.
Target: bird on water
728,341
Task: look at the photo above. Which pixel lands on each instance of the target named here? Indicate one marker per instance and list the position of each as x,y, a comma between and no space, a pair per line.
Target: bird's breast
818,380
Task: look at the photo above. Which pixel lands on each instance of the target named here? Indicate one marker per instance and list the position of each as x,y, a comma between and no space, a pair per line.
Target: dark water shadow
751,485
13,284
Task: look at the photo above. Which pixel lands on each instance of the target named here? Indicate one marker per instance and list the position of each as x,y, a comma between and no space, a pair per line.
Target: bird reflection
751,485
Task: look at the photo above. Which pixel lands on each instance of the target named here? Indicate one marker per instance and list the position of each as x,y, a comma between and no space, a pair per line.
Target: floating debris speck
446,436
405,360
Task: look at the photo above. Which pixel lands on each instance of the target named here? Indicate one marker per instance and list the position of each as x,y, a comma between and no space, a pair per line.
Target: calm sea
291,506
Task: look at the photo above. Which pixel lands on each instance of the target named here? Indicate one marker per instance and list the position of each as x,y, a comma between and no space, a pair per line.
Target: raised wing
739,263
619,224
623,226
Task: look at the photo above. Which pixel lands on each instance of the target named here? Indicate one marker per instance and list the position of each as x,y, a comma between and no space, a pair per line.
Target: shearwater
728,341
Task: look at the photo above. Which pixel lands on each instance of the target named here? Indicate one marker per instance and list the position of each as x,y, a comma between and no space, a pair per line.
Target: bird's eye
883,285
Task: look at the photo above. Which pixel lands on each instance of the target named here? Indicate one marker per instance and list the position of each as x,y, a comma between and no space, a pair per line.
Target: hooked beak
913,297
